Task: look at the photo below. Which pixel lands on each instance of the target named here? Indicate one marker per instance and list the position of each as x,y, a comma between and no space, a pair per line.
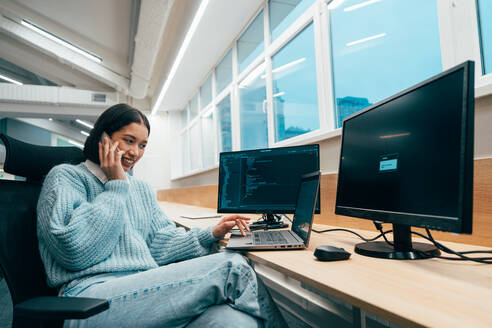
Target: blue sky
408,53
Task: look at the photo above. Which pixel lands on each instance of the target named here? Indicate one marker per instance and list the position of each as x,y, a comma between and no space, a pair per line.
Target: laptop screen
306,199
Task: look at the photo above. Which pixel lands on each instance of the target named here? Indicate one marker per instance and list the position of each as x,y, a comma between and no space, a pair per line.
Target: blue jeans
218,290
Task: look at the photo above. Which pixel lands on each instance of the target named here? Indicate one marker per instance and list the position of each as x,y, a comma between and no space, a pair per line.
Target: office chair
34,303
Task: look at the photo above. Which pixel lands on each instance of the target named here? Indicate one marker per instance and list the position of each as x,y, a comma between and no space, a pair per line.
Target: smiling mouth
127,162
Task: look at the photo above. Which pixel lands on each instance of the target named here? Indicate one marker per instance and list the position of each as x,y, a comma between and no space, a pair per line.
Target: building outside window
295,96
380,48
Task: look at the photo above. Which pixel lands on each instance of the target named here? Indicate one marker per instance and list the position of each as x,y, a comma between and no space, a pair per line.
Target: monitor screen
264,180
409,159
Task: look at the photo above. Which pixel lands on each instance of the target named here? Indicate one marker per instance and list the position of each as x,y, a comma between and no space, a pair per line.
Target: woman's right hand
110,160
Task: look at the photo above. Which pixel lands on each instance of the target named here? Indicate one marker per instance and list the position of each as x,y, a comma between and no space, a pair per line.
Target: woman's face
132,139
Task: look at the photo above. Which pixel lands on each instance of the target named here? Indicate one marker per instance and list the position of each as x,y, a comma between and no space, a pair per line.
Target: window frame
461,16
459,41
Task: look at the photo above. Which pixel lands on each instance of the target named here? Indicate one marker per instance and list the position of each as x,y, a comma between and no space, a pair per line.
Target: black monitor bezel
460,224
307,177
270,211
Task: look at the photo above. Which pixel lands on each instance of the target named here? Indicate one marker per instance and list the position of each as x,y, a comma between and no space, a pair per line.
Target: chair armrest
60,308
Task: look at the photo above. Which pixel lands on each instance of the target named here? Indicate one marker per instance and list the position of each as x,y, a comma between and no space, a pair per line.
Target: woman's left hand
226,224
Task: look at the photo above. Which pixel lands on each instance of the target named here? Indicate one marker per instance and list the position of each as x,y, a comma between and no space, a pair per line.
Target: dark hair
111,120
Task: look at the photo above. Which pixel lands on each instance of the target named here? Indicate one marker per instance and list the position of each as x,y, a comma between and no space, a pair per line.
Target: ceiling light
292,63
360,5
84,123
248,80
84,133
11,80
335,3
284,67
366,39
59,40
179,57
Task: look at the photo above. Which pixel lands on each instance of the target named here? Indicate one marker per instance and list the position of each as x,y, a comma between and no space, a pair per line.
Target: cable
379,226
461,257
355,233
445,249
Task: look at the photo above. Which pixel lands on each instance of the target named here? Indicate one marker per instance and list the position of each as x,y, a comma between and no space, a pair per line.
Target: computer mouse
330,253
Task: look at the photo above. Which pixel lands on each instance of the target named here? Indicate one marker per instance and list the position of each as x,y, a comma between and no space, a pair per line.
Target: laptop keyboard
269,237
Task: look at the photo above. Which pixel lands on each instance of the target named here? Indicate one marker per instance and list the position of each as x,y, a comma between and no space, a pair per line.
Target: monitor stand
268,221
402,249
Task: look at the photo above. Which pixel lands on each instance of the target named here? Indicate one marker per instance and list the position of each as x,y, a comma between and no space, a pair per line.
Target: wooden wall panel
206,196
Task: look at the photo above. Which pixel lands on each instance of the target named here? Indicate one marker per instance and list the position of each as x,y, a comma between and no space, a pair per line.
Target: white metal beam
56,127
65,112
46,67
54,95
152,22
64,55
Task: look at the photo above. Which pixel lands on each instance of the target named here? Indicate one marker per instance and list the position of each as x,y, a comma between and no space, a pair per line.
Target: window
195,146
223,73
193,107
484,8
206,92
183,117
284,12
380,48
253,113
250,45
185,151
224,133
208,152
295,96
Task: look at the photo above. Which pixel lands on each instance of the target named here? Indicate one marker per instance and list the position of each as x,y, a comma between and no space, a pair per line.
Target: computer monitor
264,181
408,160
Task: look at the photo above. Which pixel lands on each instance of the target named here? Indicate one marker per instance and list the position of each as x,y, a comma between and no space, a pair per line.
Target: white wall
483,127
329,153
155,166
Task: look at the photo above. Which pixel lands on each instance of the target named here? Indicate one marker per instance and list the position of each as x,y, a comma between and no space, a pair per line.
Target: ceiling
138,42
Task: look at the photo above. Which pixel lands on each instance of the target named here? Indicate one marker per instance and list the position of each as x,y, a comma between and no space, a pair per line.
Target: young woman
102,234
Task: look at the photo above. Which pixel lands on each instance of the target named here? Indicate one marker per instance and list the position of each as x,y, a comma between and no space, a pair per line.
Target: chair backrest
20,261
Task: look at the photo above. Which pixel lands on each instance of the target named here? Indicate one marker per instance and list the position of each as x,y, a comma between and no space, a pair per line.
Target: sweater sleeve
168,243
78,233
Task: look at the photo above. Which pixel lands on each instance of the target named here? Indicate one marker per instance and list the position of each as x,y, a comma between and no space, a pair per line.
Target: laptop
295,238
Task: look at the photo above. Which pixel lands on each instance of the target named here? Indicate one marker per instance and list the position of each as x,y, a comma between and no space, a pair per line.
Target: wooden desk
419,293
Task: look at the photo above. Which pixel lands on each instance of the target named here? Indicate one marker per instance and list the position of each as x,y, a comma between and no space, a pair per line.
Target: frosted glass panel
206,92
223,73
253,111
208,153
250,45
224,133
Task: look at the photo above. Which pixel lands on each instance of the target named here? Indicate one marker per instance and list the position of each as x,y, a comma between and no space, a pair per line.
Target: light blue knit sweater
86,227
